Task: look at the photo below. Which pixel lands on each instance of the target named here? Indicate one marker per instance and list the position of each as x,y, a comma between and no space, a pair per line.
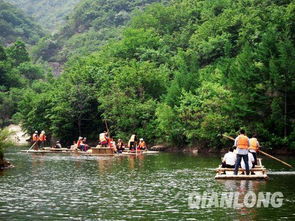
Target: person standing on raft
42,139
35,139
132,143
103,139
254,148
242,144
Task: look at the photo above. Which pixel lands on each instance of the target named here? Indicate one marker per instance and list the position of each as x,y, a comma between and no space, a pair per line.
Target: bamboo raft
228,173
50,150
94,151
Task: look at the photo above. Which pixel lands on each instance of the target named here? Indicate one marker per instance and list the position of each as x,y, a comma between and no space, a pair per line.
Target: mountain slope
15,24
50,14
88,28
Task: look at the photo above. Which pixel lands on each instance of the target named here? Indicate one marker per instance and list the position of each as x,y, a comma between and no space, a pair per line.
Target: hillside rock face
18,137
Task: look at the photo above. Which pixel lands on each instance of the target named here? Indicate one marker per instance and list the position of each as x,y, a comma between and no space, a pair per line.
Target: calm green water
149,187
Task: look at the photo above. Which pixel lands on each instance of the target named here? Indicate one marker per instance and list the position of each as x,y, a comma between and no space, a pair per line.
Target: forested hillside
15,24
17,73
50,14
88,28
181,73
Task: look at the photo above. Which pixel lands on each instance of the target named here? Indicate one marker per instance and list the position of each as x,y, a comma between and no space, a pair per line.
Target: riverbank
196,150
4,164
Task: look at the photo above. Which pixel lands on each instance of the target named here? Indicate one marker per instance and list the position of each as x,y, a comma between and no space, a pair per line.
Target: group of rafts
239,163
106,147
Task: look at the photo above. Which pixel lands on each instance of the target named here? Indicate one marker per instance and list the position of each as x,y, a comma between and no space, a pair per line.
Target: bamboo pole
270,156
266,154
32,146
106,124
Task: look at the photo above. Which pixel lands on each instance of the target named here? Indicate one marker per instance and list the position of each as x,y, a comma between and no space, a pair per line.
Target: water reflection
242,187
135,161
105,164
37,161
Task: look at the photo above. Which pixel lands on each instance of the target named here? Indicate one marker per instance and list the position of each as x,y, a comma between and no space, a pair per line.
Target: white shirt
250,160
230,158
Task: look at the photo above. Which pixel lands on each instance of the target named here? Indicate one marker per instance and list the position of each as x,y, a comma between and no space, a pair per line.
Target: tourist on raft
57,145
83,145
251,161
35,140
42,139
80,144
242,144
254,148
120,146
104,139
229,159
132,143
142,144
112,145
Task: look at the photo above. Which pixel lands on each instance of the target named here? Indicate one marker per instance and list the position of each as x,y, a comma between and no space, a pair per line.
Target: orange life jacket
253,144
35,137
42,137
243,142
142,144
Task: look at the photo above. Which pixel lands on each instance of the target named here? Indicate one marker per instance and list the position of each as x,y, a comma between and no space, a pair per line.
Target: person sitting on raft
57,145
142,145
132,143
112,145
83,145
79,143
103,139
229,159
120,146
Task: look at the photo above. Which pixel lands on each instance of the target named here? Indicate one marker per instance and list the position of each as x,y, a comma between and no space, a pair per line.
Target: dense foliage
17,73
88,28
15,24
181,73
4,142
50,14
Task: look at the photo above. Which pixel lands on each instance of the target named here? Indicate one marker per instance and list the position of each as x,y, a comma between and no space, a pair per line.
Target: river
149,187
